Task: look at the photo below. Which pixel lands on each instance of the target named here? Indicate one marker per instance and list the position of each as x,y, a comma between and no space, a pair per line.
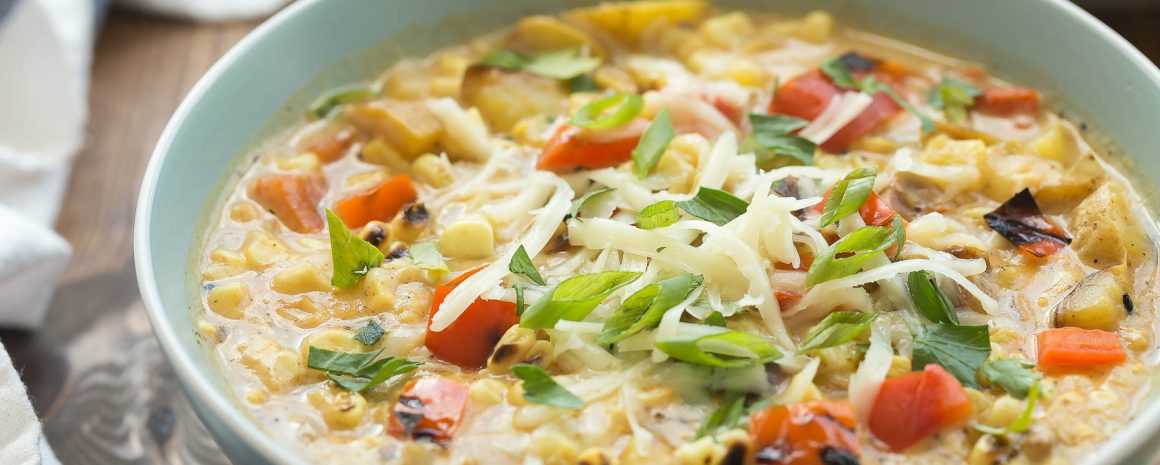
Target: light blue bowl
264,83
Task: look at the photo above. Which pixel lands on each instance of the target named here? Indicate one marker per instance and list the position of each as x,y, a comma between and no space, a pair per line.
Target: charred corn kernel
257,396
340,409
305,163
432,169
519,345
261,250
486,391
304,313
1004,411
376,233
378,152
244,212
275,366
614,79
727,30
738,443
299,279
553,448
224,264
229,299
899,366
468,238
704,451
208,331
532,416
817,26
409,224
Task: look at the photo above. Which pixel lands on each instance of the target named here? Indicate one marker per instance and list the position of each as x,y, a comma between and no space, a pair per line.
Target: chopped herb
849,254
520,305
1020,424
652,144
370,334
899,236
772,133
583,83
662,248
574,298
840,74
539,388
847,196
929,299
870,86
357,372
1013,375
427,256
560,64
327,103
352,256
954,98
597,115
836,329
727,416
658,215
715,319
959,349
522,264
644,308
726,349
580,204
716,206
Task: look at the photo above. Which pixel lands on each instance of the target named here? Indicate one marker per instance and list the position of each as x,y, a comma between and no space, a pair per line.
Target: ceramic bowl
265,82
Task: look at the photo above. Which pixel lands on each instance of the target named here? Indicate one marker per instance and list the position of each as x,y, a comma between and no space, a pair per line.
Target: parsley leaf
716,206
847,196
560,64
726,416
520,305
959,349
522,264
1020,424
539,388
1013,375
836,329
596,114
658,215
772,133
581,204
899,236
574,298
954,98
427,256
352,256
840,74
725,349
357,372
652,144
929,299
370,334
327,103
855,249
644,308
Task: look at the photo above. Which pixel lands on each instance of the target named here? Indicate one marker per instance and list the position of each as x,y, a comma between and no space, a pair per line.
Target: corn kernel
728,30
340,409
261,250
305,163
486,392
468,238
244,212
816,27
229,299
298,279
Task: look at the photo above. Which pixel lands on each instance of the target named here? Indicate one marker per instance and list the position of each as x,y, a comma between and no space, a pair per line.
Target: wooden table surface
94,372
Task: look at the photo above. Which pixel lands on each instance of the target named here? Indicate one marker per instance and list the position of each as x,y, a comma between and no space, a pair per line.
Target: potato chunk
1097,302
1077,182
407,126
1099,227
627,20
539,34
505,97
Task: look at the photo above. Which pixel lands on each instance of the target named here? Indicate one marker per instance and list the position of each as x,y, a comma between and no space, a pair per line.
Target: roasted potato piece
407,126
505,97
1097,302
626,20
1078,182
1057,143
539,34
1099,227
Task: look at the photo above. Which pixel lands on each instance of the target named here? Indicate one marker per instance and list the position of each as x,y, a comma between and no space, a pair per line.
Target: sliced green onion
599,113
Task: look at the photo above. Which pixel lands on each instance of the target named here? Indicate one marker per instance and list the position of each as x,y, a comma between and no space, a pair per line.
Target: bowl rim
210,399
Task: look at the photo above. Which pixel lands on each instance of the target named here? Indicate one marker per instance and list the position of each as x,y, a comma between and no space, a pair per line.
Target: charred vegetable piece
1008,101
913,407
1074,349
1020,221
813,433
429,408
470,339
571,149
379,203
1097,302
293,198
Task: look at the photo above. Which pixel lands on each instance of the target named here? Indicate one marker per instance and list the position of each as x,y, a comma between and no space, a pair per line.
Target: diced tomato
470,339
1008,101
1078,349
874,212
881,109
429,408
915,406
813,433
786,298
379,203
569,150
293,198
805,96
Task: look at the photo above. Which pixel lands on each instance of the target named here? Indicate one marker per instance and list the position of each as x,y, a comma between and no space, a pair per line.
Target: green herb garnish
658,215
836,329
327,103
929,299
1021,424
644,308
370,334
579,204
599,113
772,133
899,236
540,388
847,196
849,254
652,144
357,372
841,76
1013,375
522,264
574,298
560,64
352,256
954,98
959,349
716,206
426,256
726,349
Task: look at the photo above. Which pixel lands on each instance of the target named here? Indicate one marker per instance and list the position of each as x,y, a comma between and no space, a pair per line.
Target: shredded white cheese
868,378
841,110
